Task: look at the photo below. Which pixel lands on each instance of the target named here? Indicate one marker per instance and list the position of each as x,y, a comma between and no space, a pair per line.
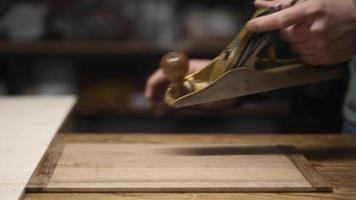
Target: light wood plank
178,168
27,126
333,156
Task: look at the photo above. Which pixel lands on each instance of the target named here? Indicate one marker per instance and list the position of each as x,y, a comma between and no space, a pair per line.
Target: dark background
104,50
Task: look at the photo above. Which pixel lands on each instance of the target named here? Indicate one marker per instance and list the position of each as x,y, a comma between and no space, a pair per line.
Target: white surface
27,126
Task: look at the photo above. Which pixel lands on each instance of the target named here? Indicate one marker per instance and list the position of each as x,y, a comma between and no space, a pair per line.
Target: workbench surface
334,156
27,126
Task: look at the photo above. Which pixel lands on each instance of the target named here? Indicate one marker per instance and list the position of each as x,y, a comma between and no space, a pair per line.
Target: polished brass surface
239,71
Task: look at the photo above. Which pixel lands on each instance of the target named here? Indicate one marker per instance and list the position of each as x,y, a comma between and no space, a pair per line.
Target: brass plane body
225,77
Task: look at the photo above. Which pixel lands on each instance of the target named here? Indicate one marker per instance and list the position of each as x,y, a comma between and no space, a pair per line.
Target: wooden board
182,168
27,126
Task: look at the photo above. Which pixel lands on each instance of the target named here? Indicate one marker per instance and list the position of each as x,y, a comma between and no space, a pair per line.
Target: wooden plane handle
175,66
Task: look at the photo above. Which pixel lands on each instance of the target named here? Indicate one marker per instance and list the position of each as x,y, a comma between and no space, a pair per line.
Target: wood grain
27,126
180,168
333,156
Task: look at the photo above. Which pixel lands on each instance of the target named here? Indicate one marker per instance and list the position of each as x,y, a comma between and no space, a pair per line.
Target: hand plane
248,65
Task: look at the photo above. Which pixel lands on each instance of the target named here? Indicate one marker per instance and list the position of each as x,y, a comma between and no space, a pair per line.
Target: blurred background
104,50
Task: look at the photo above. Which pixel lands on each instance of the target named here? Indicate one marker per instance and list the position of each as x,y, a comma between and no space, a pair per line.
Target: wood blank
182,168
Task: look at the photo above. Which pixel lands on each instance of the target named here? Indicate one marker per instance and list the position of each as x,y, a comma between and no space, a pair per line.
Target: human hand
322,32
157,84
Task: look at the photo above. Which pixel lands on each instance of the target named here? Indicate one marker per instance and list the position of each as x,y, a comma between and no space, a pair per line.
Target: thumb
265,3
271,3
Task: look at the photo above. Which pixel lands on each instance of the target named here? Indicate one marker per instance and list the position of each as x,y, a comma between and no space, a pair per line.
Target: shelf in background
212,47
76,47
